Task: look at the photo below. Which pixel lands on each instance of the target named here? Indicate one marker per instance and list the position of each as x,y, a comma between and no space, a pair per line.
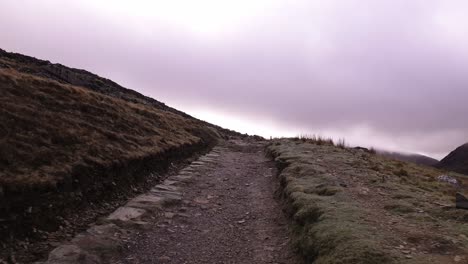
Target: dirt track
228,214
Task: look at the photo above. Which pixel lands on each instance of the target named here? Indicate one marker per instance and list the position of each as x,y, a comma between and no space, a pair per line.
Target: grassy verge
350,206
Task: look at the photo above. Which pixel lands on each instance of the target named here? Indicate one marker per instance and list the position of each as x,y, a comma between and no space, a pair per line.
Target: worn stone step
88,246
181,178
165,193
147,201
171,183
164,187
126,214
207,160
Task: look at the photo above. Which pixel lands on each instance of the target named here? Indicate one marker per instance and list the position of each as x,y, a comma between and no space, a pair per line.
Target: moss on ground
349,206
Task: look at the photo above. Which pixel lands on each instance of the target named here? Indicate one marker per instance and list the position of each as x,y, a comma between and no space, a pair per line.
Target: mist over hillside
409,157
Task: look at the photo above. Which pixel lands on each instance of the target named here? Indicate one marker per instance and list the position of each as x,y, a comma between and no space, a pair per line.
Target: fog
388,74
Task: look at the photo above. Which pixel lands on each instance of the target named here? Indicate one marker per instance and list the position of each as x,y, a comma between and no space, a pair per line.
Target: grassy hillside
65,148
49,129
351,206
82,78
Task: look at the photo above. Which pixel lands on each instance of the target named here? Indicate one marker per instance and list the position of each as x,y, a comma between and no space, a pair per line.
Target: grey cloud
318,65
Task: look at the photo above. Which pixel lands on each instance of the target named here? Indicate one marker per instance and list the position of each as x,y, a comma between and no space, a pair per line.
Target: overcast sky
390,74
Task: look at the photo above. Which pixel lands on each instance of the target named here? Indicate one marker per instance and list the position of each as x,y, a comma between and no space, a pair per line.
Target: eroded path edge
220,209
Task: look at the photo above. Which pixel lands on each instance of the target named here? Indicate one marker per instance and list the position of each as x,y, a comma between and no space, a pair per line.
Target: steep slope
63,141
457,160
409,157
49,129
85,79
73,145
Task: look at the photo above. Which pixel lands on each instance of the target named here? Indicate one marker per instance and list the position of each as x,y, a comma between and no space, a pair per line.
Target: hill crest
457,160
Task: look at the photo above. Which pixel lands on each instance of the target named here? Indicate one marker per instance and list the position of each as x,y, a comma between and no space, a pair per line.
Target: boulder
461,201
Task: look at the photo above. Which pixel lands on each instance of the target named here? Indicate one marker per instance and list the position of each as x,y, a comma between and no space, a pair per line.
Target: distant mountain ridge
456,160
409,157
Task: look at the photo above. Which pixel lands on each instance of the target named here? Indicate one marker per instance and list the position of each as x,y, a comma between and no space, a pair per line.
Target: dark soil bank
32,223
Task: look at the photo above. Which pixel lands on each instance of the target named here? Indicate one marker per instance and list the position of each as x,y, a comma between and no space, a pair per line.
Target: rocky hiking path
220,209
228,214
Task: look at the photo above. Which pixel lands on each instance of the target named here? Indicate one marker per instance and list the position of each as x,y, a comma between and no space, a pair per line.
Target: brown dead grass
47,129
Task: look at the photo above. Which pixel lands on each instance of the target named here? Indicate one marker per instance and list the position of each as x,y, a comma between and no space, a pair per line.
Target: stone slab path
220,209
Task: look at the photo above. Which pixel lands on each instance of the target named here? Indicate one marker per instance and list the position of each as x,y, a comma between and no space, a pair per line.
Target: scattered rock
442,205
448,179
461,201
363,191
201,200
169,215
71,254
184,215
164,258
361,148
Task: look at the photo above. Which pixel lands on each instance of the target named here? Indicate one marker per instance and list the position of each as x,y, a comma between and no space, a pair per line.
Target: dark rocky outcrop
456,161
461,201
